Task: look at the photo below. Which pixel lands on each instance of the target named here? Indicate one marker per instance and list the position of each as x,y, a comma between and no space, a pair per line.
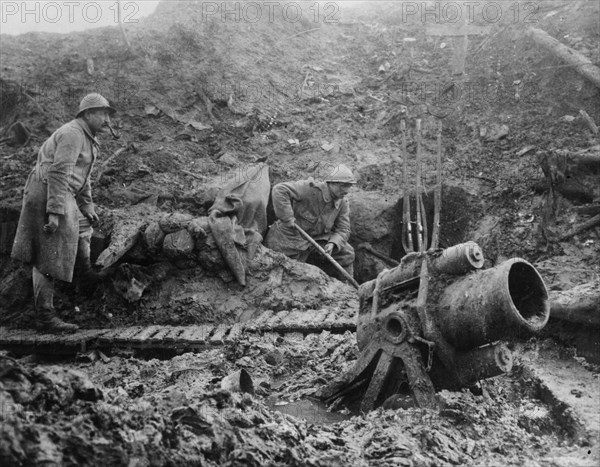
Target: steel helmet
94,101
341,174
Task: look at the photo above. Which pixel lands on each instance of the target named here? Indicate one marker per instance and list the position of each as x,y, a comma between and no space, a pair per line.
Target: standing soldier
56,220
321,210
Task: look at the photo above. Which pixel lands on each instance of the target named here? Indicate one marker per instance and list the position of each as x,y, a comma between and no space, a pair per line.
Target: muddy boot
43,292
47,321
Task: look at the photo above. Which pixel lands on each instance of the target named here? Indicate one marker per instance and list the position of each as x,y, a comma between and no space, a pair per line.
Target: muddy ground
155,412
202,99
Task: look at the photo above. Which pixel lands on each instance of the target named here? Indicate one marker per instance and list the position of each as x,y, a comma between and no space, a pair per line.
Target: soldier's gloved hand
290,223
329,247
90,214
52,224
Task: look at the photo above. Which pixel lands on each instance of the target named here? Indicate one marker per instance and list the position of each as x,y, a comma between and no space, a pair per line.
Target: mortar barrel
508,300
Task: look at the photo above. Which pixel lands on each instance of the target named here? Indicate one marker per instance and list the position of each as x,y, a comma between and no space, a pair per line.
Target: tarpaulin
238,217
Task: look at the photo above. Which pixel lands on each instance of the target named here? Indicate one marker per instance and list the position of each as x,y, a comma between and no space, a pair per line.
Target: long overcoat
58,184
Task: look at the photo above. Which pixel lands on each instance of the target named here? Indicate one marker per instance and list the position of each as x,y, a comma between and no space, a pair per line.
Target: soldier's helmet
94,101
341,174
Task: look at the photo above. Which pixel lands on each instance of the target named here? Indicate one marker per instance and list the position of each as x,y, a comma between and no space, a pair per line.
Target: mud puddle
310,410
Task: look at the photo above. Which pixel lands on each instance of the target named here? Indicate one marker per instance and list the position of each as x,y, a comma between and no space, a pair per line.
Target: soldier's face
339,190
97,120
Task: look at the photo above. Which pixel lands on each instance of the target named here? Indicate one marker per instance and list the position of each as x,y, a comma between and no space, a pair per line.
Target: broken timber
579,62
580,304
176,338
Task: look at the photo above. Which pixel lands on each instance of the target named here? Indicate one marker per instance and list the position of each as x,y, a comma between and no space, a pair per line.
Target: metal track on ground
180,338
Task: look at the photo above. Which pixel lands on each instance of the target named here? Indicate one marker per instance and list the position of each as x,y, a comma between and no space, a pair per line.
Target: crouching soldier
321,210
55,226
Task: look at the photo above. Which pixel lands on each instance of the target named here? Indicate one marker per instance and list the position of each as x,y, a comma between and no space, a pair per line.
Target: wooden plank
112,333
75,338
203,333
87,338
47,338
128,333
331,319
339,320
125,334
294,319
160,335
110,336
188,334
93,334
219,333
258,323
173,335
276,318
311,321
196,334
234,333
11,336
344,323
145,333
289,322
27,337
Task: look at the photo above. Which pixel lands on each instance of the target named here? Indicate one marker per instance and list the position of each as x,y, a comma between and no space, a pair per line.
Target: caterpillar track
174,338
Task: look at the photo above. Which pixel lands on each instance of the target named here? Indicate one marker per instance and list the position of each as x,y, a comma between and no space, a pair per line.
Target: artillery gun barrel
496,304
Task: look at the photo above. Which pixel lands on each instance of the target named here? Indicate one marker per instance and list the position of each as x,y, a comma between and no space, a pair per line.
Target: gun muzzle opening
529,295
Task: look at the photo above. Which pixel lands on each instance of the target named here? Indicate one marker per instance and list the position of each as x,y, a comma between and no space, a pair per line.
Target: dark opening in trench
528,294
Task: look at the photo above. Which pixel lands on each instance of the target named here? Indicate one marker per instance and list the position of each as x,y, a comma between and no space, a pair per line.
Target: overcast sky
63,16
